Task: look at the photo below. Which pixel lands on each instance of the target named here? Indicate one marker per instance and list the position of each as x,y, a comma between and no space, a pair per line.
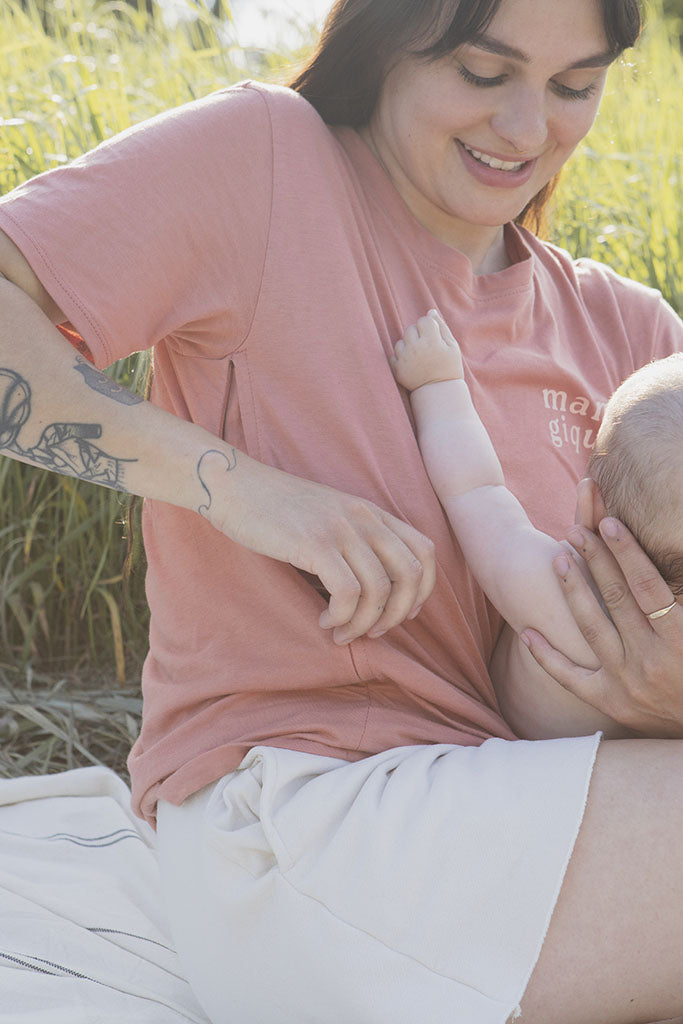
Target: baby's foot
427,353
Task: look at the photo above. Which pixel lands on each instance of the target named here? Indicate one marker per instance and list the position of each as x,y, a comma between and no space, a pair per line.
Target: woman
346,832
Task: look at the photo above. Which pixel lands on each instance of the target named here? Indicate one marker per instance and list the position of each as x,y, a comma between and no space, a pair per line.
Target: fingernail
414,612
576,537
561,565
376,635
609,528
526,639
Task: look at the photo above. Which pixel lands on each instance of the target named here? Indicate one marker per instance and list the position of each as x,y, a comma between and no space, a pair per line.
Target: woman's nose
523,121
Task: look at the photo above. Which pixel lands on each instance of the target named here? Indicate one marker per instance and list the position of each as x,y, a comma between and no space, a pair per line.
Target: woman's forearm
60,413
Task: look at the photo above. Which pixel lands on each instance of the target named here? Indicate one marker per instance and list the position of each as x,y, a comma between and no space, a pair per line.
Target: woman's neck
494,258
483,245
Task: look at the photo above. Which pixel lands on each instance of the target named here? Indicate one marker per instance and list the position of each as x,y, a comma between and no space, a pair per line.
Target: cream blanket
83,938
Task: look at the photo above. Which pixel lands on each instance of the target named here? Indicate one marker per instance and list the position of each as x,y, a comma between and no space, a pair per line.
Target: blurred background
73,618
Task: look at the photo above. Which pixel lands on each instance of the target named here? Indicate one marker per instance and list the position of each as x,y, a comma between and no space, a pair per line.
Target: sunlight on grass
620,198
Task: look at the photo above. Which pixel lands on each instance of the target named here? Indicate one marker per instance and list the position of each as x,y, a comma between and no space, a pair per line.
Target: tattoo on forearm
226,463
105,385
63,447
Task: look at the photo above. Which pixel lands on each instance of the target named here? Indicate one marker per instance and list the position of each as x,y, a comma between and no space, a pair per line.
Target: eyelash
561,90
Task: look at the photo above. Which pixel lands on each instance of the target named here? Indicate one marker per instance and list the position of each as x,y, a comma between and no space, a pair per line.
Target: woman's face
470,138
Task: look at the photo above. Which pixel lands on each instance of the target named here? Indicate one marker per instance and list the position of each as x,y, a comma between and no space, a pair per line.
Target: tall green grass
620,197
102,67
62,598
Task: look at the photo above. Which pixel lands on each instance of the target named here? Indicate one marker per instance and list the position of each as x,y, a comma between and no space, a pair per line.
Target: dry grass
53,723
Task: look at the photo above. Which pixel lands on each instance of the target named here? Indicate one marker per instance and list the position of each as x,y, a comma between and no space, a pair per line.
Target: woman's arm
60,414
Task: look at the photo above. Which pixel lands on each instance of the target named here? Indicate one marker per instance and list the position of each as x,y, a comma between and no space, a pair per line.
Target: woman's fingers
597,629
380,605
376,569
422,549
645,585
630,585
343,589
640,679
586,684
382,581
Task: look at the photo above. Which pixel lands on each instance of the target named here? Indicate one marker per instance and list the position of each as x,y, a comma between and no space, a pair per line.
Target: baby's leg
426,353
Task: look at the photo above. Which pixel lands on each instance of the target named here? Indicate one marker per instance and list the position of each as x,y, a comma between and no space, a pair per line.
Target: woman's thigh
614,950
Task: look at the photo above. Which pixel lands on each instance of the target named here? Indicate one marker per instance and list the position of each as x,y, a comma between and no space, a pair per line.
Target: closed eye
561,90
483,83
575,94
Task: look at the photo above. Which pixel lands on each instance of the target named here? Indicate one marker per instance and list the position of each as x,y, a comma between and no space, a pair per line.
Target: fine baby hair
637,462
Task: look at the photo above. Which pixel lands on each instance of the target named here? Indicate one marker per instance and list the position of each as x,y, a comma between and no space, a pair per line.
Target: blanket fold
83,938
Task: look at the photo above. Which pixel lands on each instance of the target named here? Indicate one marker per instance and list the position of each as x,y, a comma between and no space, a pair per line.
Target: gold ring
662,611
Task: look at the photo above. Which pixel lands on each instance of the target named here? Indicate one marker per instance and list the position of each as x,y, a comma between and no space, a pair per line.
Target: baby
635,464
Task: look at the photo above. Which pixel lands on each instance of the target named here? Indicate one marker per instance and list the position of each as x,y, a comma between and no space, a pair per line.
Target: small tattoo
104,385
230,463
63,447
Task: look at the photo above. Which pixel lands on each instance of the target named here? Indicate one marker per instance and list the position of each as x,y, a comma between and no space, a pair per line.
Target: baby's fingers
444,329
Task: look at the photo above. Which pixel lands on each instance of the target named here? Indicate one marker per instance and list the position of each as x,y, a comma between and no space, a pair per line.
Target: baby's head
637,462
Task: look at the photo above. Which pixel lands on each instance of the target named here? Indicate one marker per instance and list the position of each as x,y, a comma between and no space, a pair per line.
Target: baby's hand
426,353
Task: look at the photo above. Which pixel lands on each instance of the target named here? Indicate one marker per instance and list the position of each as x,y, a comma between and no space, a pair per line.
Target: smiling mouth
492,161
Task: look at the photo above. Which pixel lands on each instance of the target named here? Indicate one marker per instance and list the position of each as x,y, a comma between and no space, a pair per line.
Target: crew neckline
380,190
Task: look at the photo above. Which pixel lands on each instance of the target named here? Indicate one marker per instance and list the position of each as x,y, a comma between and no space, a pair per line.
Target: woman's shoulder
242,114
646,315
281,103
614,307
599,287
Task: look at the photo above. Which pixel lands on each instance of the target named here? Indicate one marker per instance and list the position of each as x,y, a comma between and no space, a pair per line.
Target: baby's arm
510,559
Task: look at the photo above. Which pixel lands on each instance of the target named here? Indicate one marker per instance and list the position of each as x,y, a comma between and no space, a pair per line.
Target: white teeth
492,161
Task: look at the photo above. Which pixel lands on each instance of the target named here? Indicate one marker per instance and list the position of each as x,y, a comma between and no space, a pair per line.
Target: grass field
72,632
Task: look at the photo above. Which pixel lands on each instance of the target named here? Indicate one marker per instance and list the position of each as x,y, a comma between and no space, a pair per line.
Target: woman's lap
415,885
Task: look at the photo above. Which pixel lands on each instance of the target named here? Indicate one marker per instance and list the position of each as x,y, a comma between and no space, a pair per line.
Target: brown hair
637,461
361,38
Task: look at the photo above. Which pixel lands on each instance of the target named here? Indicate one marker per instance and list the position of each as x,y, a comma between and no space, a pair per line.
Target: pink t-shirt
272,264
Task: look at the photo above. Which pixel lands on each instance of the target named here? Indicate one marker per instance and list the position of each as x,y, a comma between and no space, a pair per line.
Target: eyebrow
491,45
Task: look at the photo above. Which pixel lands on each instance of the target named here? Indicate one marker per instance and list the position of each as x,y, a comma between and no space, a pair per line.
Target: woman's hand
377,569
640,681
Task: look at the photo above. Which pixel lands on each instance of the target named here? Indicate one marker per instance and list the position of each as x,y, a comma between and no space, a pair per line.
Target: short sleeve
161,231
623,308
667,333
